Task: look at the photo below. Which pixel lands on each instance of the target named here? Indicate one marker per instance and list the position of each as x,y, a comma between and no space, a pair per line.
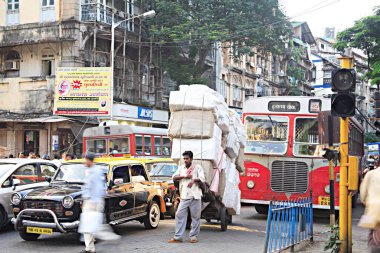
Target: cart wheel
208,220
223,219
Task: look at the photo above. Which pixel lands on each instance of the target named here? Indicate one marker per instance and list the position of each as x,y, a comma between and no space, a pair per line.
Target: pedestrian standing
369,194
189,176
93,192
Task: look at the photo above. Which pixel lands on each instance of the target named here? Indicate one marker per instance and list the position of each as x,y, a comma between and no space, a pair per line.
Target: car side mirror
15,182
48,179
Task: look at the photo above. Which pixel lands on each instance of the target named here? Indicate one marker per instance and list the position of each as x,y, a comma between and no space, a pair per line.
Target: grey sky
338,13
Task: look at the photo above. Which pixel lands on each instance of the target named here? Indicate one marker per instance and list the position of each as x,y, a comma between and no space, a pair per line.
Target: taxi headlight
16,199
67,202
327,189
250,184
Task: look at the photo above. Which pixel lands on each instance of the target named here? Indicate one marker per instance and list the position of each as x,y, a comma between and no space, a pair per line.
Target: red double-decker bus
283,155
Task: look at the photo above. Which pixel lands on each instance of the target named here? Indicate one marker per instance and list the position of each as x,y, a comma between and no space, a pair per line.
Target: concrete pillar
43,142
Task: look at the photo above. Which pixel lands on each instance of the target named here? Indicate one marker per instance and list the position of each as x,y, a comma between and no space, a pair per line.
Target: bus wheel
262,209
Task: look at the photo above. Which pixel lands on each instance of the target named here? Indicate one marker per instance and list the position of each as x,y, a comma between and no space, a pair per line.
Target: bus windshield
266,134
306,139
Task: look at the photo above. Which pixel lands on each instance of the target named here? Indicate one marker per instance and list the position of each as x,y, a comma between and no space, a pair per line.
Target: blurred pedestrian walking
369,194
94,191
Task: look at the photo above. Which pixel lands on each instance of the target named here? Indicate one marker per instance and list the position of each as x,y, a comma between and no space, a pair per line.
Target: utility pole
331,172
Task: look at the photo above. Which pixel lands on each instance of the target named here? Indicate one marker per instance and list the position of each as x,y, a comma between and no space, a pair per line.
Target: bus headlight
67,202
250,184
16,199
327,189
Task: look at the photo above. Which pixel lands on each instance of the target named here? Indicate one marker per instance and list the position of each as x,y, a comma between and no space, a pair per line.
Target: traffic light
343,102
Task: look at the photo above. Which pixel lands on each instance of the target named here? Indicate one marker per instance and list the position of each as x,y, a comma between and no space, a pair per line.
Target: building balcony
102,14
33,33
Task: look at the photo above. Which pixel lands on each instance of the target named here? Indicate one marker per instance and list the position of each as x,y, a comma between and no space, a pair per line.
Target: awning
51,119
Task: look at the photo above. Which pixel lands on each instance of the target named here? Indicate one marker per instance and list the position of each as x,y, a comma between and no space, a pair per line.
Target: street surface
246,234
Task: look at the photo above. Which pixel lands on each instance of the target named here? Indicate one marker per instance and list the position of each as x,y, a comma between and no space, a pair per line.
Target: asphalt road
245,234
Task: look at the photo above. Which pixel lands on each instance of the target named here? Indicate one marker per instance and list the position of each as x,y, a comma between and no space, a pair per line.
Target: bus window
266,134
306,141
96,146
166,146
139,145
157,145
119,146
147,145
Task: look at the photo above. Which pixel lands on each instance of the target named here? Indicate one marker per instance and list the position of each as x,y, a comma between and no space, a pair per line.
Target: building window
237,93
322,46
12,64
13,12
48,63
47,11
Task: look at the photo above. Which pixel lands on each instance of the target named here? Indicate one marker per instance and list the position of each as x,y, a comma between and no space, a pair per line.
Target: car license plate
41,231
325,201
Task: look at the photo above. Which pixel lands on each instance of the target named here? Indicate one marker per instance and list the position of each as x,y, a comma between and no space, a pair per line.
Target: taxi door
120,200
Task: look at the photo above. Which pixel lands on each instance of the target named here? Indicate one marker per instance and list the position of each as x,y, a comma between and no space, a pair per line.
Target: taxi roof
121,160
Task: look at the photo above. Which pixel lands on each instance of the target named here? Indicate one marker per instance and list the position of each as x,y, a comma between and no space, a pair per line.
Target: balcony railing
96,12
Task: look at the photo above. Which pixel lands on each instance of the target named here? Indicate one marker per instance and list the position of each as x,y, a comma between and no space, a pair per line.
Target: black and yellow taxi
131,195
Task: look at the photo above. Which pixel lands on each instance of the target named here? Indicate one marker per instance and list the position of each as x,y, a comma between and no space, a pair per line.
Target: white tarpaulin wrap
206,149
191,124
231,197
202,123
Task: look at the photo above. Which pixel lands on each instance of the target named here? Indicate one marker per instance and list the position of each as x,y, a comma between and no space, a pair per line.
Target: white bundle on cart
202,123
200,98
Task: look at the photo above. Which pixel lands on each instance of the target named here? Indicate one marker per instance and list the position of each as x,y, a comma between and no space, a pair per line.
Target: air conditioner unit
12,65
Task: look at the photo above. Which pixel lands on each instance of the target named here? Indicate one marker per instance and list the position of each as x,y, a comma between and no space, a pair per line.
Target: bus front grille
289,176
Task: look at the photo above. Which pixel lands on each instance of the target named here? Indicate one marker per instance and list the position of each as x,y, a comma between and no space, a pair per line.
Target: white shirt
195,191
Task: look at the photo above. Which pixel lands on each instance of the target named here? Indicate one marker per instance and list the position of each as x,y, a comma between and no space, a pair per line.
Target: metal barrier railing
289,223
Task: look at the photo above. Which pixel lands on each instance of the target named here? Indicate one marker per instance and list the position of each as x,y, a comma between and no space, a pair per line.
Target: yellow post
345,211
343,187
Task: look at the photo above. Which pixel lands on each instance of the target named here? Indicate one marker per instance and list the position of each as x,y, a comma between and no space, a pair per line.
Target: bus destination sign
284,106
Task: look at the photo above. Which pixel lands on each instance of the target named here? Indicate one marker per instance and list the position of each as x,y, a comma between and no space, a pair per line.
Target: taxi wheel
27,236
152,218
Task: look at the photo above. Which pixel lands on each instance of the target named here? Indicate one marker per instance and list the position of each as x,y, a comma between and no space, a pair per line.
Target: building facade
247,76
37,36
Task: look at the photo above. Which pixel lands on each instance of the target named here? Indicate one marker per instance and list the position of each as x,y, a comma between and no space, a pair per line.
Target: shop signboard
83,91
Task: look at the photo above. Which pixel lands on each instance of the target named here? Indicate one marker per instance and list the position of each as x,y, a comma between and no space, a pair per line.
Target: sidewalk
320,239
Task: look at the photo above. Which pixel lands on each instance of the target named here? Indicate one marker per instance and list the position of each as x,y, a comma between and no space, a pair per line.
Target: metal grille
289,176
56,207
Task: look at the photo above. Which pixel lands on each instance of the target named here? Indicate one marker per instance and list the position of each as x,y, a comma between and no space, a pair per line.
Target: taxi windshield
163,170
266,134
76,173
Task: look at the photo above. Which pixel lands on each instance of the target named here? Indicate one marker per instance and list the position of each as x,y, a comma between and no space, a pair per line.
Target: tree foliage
371,137
188,29
364,35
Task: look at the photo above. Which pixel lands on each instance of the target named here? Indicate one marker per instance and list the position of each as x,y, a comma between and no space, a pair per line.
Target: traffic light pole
331,173
345,211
